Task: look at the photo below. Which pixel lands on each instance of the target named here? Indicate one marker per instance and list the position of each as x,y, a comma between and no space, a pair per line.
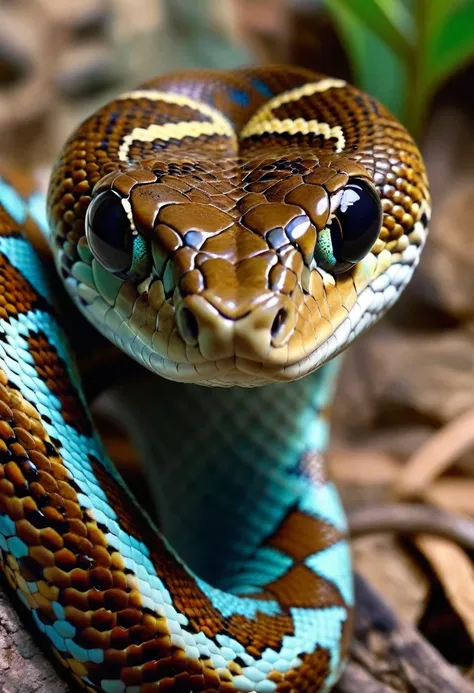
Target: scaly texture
230,179
205,224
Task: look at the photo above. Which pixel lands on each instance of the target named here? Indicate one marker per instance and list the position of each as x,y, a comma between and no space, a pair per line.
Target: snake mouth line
375,299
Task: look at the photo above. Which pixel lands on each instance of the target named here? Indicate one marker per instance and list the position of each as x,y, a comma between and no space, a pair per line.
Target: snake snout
267,327
258,335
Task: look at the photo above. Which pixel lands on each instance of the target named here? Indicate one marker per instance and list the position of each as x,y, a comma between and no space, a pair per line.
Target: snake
232,232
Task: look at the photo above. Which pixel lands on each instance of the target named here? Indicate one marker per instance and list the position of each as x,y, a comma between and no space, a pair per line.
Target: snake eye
353,229
111,239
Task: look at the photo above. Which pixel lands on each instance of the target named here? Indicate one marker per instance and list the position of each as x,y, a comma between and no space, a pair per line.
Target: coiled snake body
224,229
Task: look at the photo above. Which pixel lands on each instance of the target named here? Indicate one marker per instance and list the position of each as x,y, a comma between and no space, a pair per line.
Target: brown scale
16,293
300,587
301,536
310,676
69,560
265,631
189,599
8,226
53,371
18,296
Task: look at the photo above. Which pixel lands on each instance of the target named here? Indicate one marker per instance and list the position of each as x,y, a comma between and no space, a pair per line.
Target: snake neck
224,467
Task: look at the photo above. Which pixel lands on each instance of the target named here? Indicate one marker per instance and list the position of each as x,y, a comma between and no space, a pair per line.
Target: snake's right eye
353,230
109,233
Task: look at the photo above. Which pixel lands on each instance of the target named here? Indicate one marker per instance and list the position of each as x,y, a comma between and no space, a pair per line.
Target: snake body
224,229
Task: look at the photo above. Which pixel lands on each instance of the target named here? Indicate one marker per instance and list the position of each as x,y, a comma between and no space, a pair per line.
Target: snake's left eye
353,229
111,239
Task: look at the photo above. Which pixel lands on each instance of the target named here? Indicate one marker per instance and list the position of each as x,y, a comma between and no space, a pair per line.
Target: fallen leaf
455,572
455,494
446,268
392,572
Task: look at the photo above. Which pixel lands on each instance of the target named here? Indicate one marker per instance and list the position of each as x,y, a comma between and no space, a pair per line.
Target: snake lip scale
233,229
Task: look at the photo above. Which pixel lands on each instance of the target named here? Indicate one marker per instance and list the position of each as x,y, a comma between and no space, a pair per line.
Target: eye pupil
109,233
358,222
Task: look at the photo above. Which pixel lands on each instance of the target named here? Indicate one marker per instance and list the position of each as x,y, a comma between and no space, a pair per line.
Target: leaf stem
417,92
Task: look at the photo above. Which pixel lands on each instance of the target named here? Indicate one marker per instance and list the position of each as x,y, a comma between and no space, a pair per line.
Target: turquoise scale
251,443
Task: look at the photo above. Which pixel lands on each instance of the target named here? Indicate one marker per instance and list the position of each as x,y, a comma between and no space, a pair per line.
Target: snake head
249,287
244,245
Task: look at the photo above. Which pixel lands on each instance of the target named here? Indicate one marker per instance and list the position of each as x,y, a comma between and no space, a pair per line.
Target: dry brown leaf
435,456
394,574
446,270
454,494
455,572
363,466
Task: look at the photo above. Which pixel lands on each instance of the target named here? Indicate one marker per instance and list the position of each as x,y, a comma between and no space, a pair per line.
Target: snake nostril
188,325
279,322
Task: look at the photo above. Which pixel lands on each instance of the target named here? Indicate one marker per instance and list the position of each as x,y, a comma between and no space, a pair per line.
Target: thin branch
407,518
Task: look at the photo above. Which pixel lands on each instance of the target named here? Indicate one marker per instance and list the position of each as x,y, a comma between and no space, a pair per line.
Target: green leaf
401,16
376,68
388,20
453,45
433,14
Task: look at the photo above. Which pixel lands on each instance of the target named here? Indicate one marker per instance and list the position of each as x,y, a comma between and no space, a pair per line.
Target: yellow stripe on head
263,122
217,124
294,127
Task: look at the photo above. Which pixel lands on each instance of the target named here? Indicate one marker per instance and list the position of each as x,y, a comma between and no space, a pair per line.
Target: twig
436,455
407,518
356,679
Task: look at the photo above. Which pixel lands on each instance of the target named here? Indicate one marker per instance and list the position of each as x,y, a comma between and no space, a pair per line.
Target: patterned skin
229,189
205,224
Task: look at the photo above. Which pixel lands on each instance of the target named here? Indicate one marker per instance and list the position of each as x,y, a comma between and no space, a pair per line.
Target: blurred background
404,411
